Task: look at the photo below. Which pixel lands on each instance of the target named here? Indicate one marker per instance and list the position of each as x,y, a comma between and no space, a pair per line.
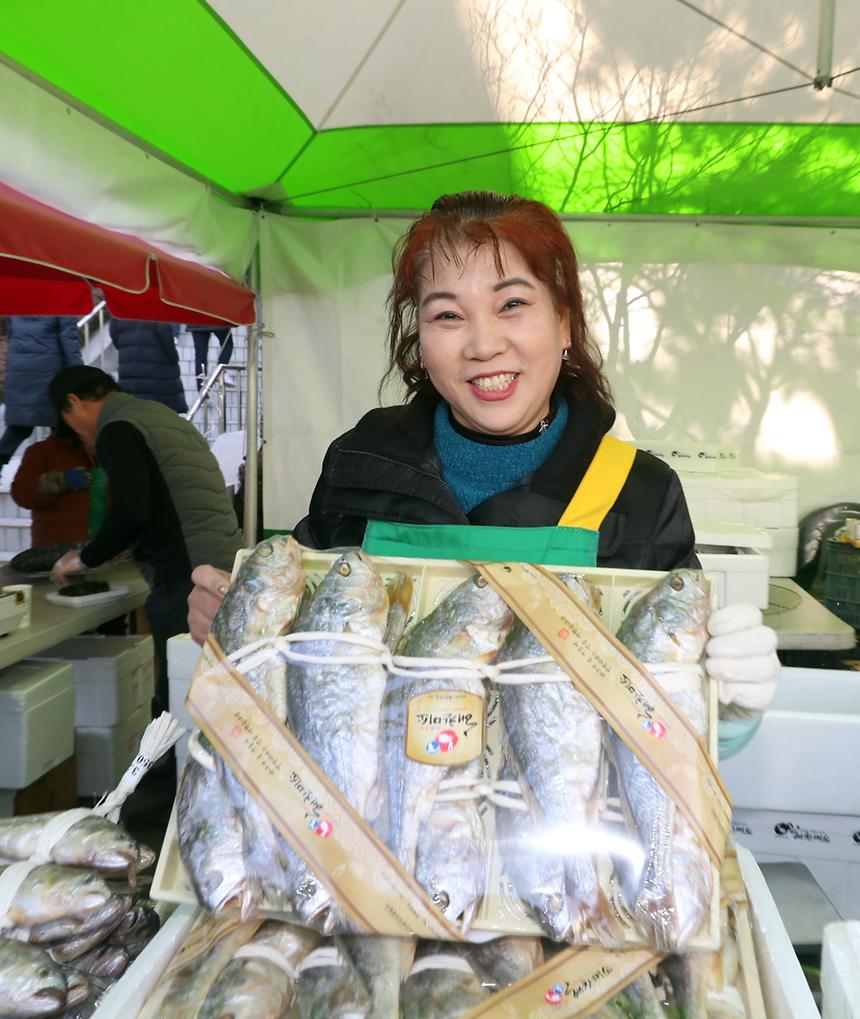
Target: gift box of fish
542,853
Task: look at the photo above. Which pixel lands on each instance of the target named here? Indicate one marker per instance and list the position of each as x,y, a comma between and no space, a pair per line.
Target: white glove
741,656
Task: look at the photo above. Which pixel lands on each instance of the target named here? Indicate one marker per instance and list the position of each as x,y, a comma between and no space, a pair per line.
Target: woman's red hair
456,226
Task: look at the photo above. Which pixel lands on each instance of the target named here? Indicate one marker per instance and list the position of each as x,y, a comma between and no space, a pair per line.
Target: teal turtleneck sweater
474,471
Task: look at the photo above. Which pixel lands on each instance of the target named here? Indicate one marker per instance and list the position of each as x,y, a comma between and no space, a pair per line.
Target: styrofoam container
783,551
37,713
786,992
103,753
114,676
741,575
794,785
182,658
828,845
694,457
840,971
806,754
743,496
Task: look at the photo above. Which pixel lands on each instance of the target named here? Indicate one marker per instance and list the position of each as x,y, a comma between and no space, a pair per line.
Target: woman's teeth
494,383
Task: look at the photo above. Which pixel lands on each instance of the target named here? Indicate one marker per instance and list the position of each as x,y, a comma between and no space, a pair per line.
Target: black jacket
386,468
149,362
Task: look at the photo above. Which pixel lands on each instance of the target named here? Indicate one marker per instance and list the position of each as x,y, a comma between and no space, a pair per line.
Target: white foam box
104,752
806,754
741,574
37,712
783,551
694,457
784,987
742,496
840,971
182,658
114,676
795,785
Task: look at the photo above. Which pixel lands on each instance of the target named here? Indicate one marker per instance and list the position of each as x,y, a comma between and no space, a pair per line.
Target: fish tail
593,918
656,920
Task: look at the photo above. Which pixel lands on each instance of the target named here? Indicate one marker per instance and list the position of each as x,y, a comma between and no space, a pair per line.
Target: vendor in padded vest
502,448
168,500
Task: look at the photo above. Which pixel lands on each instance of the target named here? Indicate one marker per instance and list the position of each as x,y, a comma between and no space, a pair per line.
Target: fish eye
344,569
441,899
554,904
266,551
677,582
480,581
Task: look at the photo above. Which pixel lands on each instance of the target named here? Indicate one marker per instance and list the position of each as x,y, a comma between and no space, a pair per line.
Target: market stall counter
51,623
801,622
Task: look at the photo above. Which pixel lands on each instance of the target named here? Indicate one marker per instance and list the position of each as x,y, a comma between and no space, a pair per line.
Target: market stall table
801,622
51,624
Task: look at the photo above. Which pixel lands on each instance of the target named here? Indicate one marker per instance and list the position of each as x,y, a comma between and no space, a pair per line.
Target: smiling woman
502,448
508,412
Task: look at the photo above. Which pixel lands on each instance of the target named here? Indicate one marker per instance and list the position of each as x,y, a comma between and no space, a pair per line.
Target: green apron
572,543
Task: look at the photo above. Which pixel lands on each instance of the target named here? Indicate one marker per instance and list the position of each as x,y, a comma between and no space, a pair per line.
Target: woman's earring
565,354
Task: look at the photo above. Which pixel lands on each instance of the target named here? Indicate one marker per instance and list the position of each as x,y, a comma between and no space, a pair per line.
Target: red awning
48,259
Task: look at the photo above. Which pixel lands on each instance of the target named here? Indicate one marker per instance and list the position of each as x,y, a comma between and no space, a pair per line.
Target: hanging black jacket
148,362
386,468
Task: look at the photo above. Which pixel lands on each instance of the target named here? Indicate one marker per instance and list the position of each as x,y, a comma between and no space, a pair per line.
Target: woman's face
491,343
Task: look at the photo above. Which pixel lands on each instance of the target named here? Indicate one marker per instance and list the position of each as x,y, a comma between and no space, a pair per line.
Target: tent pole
826,27
255,331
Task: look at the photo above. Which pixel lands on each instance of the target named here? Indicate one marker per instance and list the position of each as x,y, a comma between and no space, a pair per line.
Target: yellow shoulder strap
601,485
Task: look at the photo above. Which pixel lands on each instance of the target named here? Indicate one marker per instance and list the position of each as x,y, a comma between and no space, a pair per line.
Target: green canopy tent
311,132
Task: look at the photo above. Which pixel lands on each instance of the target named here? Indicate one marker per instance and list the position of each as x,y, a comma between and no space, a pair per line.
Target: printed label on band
573,983
445,727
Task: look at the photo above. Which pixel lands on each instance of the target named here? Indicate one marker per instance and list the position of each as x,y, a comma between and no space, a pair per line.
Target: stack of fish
351,718
71,927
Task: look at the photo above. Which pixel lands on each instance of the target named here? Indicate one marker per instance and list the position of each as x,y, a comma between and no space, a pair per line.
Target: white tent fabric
522,61
717,333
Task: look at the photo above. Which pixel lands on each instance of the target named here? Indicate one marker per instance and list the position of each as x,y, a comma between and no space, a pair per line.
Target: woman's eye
513,302
445,316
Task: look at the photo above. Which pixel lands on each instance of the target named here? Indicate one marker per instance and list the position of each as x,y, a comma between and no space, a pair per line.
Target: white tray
86,599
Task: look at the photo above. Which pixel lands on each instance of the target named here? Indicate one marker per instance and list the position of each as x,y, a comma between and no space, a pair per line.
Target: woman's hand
210,586
741,656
